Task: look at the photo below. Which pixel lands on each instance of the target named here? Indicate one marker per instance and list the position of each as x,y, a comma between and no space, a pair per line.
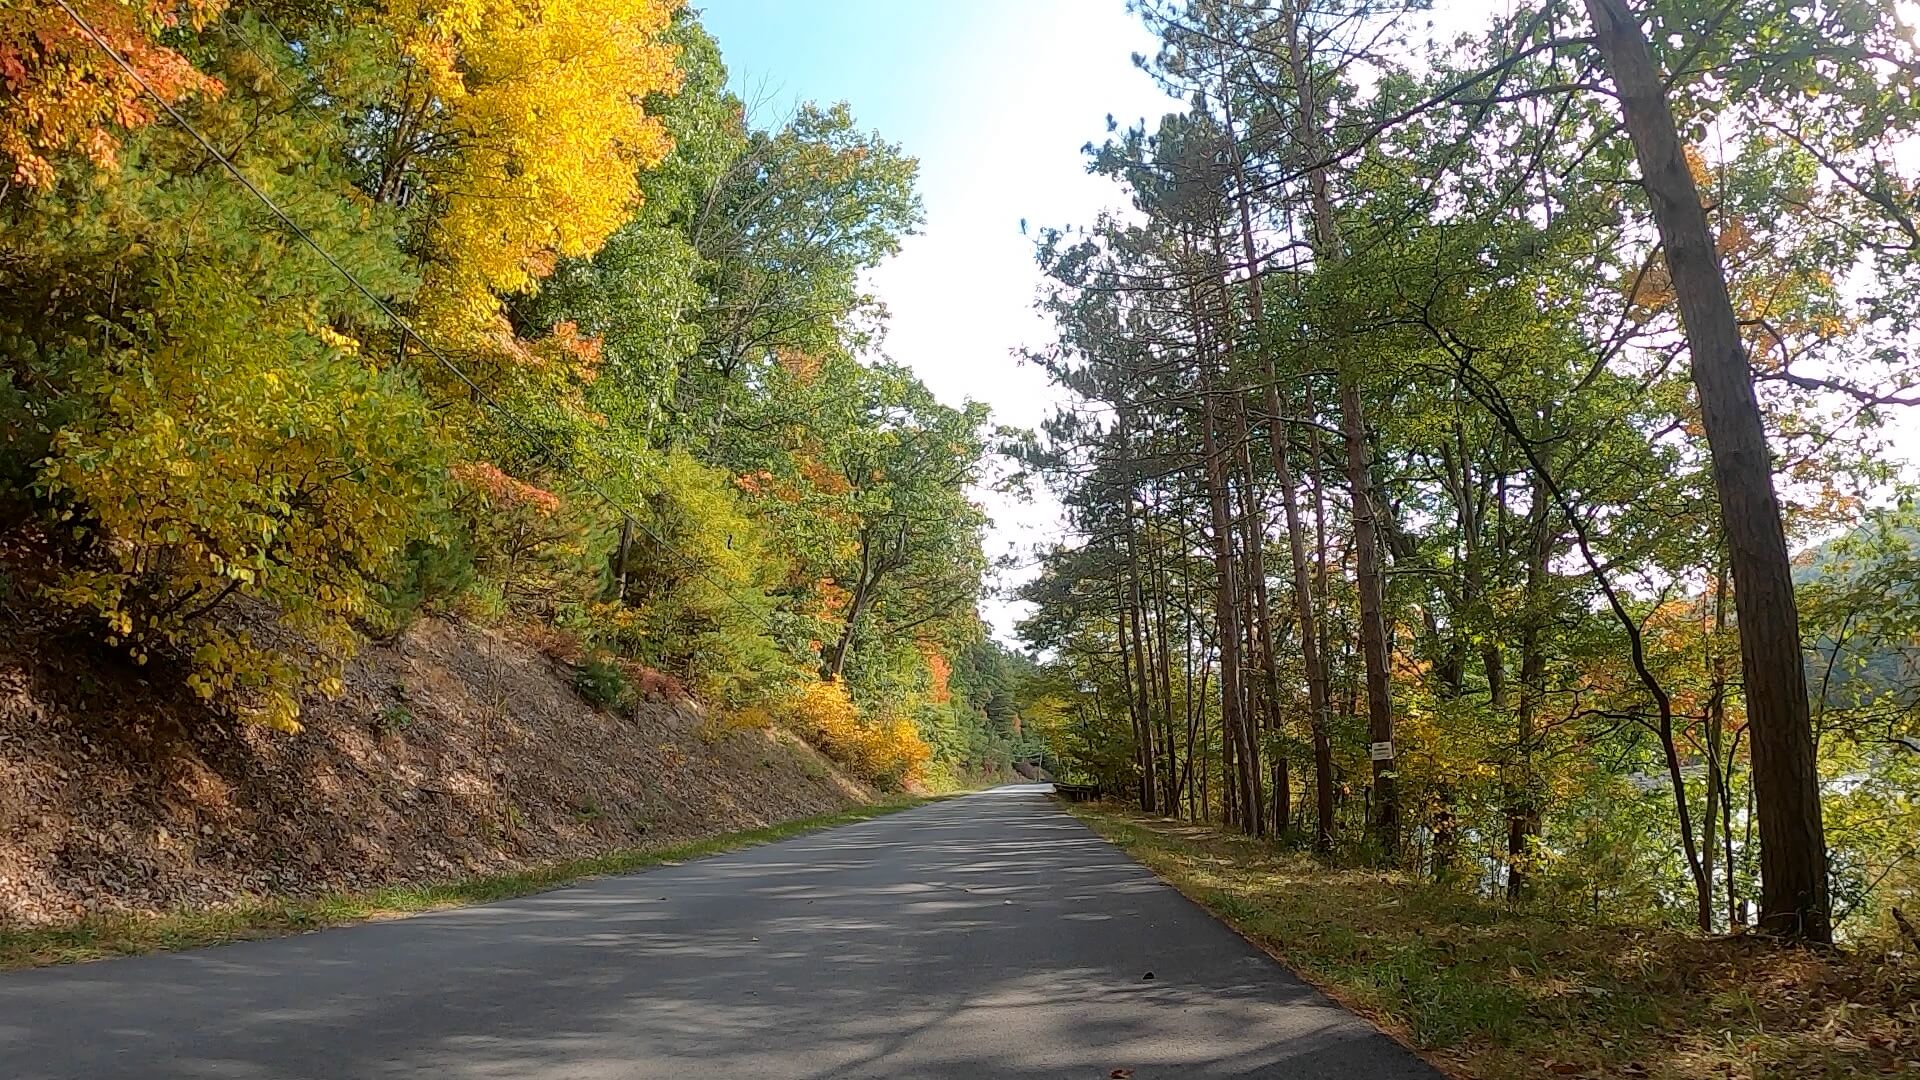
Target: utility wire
406,329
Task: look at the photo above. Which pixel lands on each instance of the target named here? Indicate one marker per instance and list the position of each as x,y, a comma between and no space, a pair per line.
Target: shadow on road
981,937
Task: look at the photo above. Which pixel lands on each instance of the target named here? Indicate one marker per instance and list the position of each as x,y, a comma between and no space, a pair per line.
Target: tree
63,94
587,350
1793,898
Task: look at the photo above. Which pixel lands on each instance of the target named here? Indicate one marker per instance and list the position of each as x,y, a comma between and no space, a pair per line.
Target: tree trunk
1142,703
1522,796
1716,727
1160,657
837,659
1702,886
1785,780
1147,706
1328,248
1312,657
1142,738
1229,794
620,559
1261,636
1373,625
1226,616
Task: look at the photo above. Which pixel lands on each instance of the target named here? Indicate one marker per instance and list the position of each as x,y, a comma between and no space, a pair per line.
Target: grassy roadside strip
101,936
1491,994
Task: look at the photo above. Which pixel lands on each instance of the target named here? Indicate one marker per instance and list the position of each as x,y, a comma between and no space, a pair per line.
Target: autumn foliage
885,750
60,94
583,354
538,106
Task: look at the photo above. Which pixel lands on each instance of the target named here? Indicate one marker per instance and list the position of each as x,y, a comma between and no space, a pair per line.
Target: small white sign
1380,751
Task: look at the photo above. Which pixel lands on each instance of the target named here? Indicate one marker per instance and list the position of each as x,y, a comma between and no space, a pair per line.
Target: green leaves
678,456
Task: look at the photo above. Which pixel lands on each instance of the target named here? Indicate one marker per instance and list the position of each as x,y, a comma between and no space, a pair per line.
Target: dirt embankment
455,751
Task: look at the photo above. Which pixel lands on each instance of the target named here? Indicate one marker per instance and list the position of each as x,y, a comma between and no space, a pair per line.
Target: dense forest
320,317
1446,414
1477,450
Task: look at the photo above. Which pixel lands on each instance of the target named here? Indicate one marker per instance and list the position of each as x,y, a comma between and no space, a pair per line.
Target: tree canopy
322,317
1442,417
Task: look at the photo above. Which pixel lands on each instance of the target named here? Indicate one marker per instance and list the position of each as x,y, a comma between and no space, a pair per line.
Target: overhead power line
406,329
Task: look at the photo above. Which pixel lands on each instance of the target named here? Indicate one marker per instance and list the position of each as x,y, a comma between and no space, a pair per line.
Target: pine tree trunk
1312,657
1147,706
1329,249
1142,702
1142,739
1259,614
1785,778
1177,775
1226,617
1373,625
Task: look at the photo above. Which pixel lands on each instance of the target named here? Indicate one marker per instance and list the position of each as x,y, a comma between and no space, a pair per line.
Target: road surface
987,936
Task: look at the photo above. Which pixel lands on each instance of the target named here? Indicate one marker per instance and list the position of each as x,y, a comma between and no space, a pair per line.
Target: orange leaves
1697,165
939,673
1734,238
803,366
1406,666
63,94
1650,290
832,600
534,543
1785,306
822,477
505,491
754,483
570,341
816,478
568,353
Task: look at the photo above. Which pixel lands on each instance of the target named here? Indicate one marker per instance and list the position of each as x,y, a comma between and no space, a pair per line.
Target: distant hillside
1853,591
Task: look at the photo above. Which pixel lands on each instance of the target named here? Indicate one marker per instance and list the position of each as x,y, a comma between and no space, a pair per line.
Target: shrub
202,406
431,578
885,751
601,681
239,461
696,606
393,720
534,545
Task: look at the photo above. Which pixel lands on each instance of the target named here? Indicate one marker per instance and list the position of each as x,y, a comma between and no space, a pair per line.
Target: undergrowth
1491,994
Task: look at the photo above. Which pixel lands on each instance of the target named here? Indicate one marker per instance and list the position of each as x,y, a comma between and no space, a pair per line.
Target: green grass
1489,993
100,936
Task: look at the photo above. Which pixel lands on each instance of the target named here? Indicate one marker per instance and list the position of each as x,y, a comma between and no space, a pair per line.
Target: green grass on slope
1489,993
99,936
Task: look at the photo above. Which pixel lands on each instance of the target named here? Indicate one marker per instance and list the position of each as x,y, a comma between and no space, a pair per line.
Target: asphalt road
988,936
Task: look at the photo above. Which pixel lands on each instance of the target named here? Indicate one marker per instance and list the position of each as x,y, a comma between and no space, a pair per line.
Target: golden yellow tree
525,120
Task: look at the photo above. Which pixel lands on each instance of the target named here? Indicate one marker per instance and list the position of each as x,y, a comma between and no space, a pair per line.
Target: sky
996,98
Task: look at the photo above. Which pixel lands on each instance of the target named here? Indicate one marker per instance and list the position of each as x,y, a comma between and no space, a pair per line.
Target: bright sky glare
996,99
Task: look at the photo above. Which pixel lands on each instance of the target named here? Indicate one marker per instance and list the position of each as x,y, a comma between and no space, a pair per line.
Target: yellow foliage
885,750
230,467
542,101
